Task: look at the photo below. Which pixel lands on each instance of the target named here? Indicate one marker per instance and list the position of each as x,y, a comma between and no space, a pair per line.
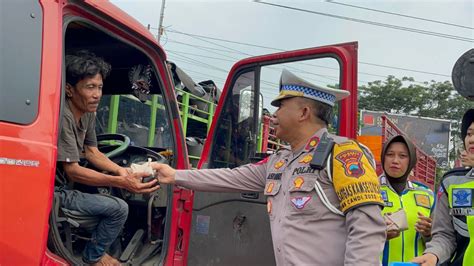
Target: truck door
233,228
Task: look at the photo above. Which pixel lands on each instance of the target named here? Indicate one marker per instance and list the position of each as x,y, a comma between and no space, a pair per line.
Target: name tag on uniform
422,200
462,197
462,212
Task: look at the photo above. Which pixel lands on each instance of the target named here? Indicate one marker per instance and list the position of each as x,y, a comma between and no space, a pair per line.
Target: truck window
234,144
243,135
20,60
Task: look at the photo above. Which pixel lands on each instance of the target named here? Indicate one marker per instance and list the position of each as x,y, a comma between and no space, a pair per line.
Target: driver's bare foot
107,260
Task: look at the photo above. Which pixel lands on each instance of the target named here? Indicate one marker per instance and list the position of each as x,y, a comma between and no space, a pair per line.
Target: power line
204,56
201,63
396,27
400,15
405,69
211,50
223,40
222,46
268,90
207,49
198,63
277,49
331,78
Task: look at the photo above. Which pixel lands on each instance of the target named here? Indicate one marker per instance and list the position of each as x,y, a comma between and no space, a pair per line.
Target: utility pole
160,25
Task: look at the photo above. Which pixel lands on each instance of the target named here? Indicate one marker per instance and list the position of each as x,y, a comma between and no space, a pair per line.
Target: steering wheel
113,138
116,146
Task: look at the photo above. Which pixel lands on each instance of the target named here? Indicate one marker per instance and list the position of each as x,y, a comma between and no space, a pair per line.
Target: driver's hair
84,64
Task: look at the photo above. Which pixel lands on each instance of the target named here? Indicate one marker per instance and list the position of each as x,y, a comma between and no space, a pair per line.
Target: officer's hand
467,159
164,173
134,184
392,233
427,259
423,225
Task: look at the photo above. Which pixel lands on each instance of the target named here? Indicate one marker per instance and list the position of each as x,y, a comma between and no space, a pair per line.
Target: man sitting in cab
84,81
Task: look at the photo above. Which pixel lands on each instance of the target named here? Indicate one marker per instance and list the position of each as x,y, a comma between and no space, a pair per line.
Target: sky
207,56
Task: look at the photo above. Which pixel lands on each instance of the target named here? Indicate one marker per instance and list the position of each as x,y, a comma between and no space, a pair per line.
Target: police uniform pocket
302,195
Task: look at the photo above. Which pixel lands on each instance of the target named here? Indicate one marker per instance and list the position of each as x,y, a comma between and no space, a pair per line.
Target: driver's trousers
112,211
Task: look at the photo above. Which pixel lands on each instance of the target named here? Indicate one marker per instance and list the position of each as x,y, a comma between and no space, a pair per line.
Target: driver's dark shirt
74,136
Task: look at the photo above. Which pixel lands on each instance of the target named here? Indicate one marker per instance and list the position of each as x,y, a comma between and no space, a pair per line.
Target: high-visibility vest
460,192
415,198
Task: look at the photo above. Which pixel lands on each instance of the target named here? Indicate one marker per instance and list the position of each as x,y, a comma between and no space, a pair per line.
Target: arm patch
354,178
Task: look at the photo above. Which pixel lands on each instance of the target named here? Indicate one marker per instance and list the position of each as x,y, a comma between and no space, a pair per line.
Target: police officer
331,216
453,224
416,200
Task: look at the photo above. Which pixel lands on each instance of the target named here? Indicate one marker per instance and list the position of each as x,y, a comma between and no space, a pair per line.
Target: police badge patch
269,188
269,207
300,202
386,203
351,160
462,197
422,200
298,182
440,192
312,143
279,164
384,195
306,159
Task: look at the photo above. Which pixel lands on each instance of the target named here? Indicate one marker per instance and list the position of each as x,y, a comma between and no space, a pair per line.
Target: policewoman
329,214
453,223
415,199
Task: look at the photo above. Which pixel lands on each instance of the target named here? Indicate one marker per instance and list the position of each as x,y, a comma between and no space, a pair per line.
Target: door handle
249,195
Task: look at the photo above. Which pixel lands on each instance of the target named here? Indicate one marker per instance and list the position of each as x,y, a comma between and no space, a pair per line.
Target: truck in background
425,168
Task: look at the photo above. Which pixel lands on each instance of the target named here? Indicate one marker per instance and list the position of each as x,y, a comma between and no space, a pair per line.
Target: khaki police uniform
318,217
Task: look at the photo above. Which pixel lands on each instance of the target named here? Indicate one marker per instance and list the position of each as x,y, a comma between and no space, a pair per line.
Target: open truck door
140,122
233,228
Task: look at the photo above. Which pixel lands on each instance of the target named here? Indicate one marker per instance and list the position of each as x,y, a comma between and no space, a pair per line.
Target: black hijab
467,120
399,184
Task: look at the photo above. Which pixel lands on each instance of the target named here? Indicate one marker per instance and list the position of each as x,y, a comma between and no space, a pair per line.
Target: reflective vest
415,198
460,191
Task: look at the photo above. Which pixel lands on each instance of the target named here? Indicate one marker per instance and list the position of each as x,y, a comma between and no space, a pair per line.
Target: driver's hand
133,183
164,173
123,171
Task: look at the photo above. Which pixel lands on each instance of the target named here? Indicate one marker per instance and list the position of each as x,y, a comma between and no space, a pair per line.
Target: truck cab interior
133,124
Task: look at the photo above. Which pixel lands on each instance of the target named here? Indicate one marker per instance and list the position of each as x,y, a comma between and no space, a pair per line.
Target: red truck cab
174,226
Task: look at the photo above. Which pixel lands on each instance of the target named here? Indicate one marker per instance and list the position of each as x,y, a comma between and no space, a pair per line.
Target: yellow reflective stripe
469,254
